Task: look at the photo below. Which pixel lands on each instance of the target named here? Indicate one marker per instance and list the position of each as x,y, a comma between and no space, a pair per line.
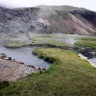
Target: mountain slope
48,19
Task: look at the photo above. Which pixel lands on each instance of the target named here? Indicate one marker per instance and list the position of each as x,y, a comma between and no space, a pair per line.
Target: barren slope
48,19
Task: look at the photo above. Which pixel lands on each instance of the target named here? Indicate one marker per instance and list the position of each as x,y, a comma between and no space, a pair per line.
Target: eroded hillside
47,19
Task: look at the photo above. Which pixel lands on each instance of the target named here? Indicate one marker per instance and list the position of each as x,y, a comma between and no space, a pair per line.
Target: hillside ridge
48,19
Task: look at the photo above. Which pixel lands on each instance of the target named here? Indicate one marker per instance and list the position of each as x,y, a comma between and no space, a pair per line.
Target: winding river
25,55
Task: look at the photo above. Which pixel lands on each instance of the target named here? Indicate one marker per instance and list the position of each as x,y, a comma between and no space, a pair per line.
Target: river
25,55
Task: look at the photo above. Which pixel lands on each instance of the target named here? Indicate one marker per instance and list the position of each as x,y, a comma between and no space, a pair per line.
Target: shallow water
93,60
25,55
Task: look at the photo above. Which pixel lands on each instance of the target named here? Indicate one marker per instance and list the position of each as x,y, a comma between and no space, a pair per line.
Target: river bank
22,64
86,58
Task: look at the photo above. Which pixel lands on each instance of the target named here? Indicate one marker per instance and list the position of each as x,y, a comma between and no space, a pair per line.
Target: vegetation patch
48,41
42,40
87,42
4,84
15,44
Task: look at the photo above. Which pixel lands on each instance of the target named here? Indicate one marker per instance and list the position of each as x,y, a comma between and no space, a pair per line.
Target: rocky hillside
48,19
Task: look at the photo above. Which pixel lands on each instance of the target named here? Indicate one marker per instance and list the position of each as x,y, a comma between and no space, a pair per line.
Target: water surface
93,60
25,55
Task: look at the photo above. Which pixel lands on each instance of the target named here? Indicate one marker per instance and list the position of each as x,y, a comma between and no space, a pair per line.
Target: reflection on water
25,55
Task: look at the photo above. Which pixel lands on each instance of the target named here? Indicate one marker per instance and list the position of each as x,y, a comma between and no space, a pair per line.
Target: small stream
25,55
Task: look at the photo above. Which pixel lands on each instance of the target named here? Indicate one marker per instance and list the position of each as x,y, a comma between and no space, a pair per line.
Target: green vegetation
44,40
86,42
48,41
67,76
4,84
15,44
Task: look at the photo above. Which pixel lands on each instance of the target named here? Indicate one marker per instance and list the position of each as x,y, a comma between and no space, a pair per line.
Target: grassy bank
87,42
50,43
36,41
15,44
68,76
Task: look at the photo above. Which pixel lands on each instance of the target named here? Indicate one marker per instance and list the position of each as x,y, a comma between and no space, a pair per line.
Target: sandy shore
86,58
11,70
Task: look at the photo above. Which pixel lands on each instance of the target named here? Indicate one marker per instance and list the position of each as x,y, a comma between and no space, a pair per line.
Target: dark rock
87,52
8,58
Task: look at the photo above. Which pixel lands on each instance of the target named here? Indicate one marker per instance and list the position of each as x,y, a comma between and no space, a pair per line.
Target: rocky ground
11,70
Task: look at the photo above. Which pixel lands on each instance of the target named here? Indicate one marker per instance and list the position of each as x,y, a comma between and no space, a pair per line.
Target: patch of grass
44,40
4,84
87,42
68,76
90,44
89,38
15,44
